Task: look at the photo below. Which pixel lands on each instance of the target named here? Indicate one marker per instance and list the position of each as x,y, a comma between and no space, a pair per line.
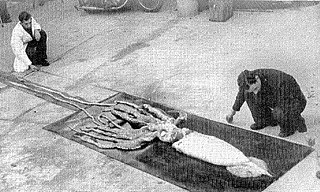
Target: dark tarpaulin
161,160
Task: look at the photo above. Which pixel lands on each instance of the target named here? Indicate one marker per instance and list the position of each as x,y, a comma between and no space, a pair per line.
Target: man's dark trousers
288,117
37,50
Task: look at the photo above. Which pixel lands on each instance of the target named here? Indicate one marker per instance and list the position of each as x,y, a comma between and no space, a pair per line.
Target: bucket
220,10
4,14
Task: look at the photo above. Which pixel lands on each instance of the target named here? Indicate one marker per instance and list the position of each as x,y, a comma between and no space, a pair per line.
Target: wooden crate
4,14
220,10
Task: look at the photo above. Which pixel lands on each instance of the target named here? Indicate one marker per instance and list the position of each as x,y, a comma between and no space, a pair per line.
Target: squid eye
163,133
247,87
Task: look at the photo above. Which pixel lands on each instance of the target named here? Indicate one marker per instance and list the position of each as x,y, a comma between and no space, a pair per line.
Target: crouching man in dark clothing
274,98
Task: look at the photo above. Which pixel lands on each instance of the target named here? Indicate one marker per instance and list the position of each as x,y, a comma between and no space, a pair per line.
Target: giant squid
128,126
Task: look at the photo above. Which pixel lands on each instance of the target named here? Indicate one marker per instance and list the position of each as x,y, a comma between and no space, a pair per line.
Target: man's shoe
45,63
302,126
257,126
286,134
302,129
273,123
19,74
34,68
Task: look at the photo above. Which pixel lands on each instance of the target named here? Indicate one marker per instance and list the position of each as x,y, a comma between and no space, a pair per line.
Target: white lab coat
19,41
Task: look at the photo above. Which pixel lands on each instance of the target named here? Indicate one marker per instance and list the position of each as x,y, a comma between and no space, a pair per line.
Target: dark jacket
278,89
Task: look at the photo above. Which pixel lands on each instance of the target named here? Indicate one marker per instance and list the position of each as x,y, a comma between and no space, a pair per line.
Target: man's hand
229,116
34,68
37,34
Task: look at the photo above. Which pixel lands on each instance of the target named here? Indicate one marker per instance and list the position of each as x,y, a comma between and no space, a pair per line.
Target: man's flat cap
246,77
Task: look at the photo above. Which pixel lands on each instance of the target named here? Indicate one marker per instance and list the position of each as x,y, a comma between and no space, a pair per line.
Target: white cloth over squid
218,152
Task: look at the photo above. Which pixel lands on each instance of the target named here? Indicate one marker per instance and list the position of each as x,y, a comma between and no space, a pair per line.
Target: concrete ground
188,63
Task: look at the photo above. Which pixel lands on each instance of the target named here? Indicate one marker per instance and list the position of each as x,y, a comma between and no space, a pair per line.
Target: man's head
249,81
25,19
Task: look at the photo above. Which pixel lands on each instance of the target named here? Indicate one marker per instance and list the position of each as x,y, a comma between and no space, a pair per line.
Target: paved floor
187,63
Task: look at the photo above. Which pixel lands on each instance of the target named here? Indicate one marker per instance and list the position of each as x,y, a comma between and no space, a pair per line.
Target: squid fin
253,168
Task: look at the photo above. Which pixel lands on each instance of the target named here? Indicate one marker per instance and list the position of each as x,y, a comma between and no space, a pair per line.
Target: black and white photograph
159,96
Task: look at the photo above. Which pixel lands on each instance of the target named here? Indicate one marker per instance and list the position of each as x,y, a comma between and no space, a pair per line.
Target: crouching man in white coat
29,44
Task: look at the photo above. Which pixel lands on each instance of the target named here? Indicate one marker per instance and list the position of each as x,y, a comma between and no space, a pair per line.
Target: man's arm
237,105
239,100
